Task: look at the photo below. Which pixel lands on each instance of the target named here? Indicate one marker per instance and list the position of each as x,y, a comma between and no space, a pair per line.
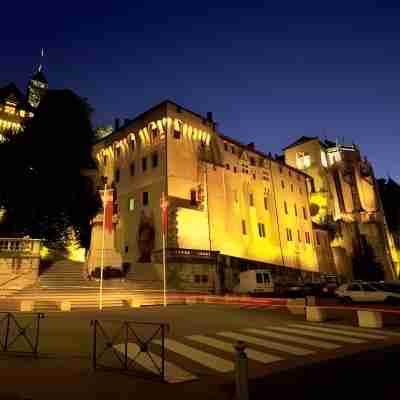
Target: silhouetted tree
389,191
365,266
42,186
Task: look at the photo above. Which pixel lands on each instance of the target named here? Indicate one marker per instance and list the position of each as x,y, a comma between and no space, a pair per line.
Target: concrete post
241,372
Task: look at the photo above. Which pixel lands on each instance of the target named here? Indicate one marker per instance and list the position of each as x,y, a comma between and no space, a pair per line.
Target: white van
255,281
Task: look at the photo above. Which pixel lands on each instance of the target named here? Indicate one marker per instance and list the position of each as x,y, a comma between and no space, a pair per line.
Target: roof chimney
116,124
209,116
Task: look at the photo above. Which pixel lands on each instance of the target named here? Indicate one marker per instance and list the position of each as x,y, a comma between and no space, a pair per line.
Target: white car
368,293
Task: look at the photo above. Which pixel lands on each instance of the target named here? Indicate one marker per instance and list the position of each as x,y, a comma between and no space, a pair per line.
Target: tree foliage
42,186
389,191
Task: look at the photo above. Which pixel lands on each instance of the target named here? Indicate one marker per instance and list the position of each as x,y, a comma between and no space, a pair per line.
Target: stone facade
230,206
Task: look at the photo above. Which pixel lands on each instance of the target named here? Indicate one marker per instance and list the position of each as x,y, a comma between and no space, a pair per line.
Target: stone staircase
64,280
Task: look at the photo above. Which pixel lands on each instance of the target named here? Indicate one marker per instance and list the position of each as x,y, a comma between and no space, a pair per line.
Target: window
235,196
303,160
292,187
244,227
252,161
317,237
227,166
193,197
204,278
298,235
155,133
177,134
259,277
251,200
131,204
132,169
295,210
324,161
115,208
266,203
261,230
9,109
289,234
290,172
304,213
226,146
197,278
132,145
235,170
285,207
283,184
308,238
233,150
126,249
105,160
266,278
155,160
254,176
300,191
118,151
280,169
145,198
117,175
144,164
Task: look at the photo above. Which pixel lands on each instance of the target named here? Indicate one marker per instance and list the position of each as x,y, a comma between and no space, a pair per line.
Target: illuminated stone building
230,206
345,200
16,108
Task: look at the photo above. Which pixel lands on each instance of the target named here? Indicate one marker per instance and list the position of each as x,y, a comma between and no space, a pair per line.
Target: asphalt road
199,349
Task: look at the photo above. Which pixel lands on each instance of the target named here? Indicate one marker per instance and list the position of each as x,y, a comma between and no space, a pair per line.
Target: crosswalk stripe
209,360
251,354
339,331
292,338
318,335
173,373
383,332
298,351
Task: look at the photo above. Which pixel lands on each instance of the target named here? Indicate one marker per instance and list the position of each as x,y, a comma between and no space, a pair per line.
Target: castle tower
37,86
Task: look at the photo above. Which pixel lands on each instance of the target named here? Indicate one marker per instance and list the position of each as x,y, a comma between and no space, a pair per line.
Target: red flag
164,208
108,211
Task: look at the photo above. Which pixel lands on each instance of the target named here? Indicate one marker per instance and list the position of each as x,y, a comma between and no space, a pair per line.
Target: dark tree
365,266
43,187
389,191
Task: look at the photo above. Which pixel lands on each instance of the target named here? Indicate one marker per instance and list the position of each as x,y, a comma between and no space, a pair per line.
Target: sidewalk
23,378
371,374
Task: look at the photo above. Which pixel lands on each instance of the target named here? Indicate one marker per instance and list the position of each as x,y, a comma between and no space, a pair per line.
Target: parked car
364,292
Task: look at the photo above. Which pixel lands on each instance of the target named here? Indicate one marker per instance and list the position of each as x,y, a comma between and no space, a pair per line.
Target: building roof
249,147
9,91
39,76
303,139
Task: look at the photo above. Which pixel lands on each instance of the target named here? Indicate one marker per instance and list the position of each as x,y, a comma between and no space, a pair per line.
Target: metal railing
120,344
20,334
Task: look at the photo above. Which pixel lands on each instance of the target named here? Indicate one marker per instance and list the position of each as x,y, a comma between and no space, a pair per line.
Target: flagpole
102,247
164,257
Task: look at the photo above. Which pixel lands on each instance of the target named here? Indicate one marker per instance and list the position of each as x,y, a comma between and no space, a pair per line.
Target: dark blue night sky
269,71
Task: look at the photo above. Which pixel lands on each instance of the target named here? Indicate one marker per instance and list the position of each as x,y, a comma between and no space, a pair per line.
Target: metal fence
130,346
20,333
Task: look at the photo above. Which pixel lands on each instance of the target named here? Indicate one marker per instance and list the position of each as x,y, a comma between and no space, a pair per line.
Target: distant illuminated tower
37,86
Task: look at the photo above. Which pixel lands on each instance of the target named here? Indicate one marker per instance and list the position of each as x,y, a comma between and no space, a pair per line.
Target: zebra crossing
264,345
